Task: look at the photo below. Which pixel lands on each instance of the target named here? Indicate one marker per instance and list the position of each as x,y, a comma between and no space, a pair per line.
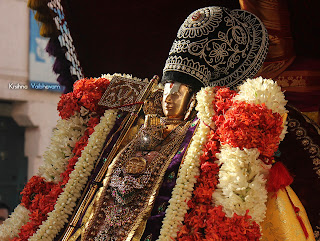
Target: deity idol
131,186
214,46
181,177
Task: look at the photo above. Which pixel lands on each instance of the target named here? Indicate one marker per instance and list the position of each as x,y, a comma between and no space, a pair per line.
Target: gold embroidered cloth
281,222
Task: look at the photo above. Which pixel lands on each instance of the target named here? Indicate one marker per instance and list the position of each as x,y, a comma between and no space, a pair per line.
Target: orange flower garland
251,126
204,221
86,93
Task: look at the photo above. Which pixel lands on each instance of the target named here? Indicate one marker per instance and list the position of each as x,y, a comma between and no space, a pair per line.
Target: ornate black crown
216,46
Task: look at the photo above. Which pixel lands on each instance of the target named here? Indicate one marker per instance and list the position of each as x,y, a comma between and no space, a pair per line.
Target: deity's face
175,100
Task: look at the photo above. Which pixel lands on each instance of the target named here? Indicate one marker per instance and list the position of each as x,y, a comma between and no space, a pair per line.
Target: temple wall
35,110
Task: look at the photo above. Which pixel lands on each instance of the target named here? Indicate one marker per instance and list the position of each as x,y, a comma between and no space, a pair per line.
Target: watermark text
17,86
44,86
36,86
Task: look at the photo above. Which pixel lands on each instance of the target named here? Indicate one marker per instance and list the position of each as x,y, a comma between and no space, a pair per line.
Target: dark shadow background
135,37
132,37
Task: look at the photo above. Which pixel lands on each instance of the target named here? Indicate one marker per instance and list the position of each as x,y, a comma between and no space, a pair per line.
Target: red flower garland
87,93
203,221
251,126
36,185
68,105
234,228
80,145
90,91
39,196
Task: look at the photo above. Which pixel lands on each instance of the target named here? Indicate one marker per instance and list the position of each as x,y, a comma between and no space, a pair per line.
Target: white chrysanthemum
11,226
242,183
183,189
267,91
78,179
65,136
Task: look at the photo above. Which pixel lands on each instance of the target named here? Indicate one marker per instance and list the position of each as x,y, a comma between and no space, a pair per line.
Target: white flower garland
267,91
259,91
11,226
63,140
65,136
204,106
78,179
242,182
183,189
242,177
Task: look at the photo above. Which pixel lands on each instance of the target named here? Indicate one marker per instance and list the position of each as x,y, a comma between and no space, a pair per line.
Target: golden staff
92,187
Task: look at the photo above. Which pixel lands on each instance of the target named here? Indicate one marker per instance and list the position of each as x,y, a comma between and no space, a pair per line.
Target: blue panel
41,75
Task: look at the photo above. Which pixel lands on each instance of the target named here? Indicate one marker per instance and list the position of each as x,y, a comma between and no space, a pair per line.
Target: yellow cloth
281,222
